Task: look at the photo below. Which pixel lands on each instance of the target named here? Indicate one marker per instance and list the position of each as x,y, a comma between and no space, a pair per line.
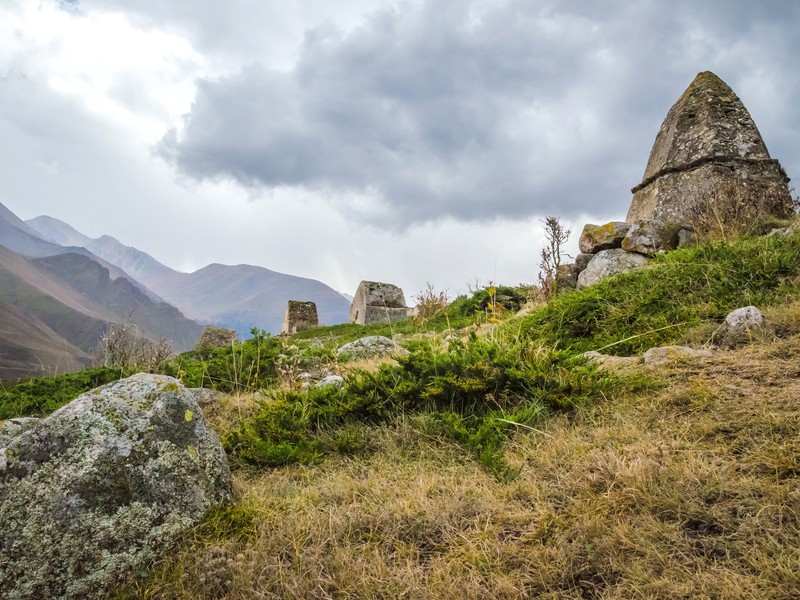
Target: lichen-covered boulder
740,327
370,347
609,262
102,485
11,428
595,238
652,236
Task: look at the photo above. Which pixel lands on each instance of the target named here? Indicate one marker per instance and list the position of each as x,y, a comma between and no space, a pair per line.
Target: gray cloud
444,110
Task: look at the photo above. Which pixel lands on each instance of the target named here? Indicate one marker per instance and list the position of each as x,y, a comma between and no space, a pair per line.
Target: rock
595,238
102,486
567,276
609,262
607,361
708,140
215,337
377,302
651,237
334,380
785,231
686,237
739,327
582,261
299,317
667,354
11,428
205,396
370,347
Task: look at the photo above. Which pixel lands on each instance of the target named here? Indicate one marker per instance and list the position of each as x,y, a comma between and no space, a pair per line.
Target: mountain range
60,290
239,296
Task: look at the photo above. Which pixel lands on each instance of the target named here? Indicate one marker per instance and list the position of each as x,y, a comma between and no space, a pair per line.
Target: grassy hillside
495,462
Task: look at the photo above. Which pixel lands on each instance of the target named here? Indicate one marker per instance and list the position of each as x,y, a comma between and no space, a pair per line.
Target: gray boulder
686,237
567,276
205,396
652,236
595,238
330,380
370,347
102,485
582,261
740,327
609,262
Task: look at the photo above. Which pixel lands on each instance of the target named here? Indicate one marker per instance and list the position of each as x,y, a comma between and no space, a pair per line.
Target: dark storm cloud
444,109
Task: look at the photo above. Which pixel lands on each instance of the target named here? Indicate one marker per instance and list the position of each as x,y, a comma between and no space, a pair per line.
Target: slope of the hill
29,348
74,299
236,296
688,490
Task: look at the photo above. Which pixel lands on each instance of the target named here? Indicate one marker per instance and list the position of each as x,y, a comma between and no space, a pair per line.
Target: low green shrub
476,389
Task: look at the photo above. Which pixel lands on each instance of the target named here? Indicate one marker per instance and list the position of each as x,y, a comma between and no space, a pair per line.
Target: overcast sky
404,142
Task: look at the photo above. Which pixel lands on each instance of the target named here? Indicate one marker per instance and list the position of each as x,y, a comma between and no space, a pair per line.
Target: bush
477,390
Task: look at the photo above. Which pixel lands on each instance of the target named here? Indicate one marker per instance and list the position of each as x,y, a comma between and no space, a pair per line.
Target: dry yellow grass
691,492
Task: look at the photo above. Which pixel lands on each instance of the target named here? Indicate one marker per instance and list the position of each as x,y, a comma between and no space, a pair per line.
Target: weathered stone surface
785,231
667,354
205,396
370,347
595,238
707,140
328,380
740,327
376,302
609,262
686,237
11,428
651,237
215,337
567,276
103,485
609,362
582,261
299,317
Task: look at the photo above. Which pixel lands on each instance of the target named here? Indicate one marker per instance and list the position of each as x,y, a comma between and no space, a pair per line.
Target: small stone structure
377,302
299,317
215,337
707,141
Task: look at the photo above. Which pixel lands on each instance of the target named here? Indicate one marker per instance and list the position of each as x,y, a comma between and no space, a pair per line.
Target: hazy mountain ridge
57,301
236,296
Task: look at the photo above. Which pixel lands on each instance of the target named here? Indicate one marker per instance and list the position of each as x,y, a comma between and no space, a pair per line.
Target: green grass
476,391
680,290
40,397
